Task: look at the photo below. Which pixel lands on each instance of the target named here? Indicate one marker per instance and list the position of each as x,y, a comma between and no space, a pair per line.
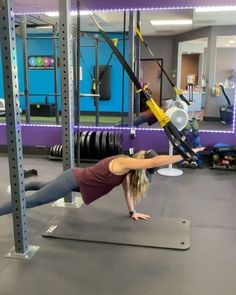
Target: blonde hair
138,181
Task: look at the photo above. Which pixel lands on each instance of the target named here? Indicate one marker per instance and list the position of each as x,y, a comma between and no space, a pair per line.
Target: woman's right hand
138,216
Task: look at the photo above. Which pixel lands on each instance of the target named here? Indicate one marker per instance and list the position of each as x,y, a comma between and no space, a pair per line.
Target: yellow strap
217,89
162,118
138,33
177,91
115,41
94,85
141,89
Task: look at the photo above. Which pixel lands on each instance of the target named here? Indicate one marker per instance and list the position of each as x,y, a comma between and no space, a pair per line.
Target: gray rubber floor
205,197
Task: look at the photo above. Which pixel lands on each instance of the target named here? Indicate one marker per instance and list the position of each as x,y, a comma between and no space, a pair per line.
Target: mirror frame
106,5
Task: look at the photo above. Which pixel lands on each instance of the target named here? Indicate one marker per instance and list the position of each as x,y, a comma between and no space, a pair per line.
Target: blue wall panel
88,62
42,81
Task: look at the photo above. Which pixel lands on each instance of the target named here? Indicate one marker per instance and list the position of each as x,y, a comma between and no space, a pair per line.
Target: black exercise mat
158,232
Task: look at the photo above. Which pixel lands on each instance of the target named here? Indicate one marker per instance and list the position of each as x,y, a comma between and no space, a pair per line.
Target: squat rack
96,96
21,247
26,93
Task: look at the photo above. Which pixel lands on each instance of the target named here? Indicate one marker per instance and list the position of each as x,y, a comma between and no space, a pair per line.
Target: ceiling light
73,13
171,22
43,27
52,14
231,41
83,12
215,9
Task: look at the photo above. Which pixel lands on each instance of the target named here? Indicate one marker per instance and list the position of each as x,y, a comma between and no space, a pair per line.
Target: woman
96,181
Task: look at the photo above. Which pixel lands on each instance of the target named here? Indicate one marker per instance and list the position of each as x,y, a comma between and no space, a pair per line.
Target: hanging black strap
119,56
225,95
177,91
82,60
176,138
93,88
105,68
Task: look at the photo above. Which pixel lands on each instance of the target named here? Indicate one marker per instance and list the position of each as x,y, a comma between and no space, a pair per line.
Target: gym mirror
196,48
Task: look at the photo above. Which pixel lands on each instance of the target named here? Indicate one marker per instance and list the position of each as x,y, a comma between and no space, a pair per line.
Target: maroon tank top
97,180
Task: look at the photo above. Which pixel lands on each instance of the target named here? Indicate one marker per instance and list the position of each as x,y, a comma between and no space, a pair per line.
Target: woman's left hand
137,216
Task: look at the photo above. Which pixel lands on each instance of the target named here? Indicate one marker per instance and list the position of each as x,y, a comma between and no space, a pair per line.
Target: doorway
151,74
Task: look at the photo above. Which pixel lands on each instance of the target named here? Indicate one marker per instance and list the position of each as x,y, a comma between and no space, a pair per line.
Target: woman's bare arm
128,199
130,202
122,165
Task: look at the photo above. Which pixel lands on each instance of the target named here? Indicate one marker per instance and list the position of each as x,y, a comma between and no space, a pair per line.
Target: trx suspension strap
177,91
93,89
225,95
177,139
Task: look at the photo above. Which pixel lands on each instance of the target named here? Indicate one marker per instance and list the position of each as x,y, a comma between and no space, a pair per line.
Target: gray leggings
47,192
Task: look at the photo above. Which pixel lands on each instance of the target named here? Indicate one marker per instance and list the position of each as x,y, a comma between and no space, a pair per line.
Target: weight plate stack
111,143
55,150
104,148
60,151
98,150
88,144
52,151
76,142
82,144
118,143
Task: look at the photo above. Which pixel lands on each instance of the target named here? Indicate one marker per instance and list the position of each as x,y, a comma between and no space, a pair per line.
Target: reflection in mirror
150,74
213,107
196,49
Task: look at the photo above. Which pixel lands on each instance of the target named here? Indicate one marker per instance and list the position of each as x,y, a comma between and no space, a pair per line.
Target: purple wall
145,139
49,136
45,5
141,4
